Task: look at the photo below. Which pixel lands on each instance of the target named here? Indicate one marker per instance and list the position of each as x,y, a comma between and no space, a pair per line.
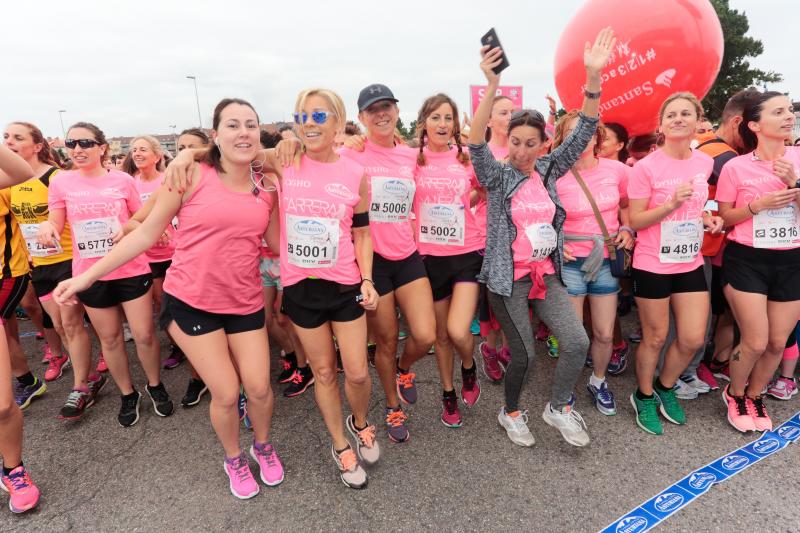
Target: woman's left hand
369,296
624,240
596,56
714,224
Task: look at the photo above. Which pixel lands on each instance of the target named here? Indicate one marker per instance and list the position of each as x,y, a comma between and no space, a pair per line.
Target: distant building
121,145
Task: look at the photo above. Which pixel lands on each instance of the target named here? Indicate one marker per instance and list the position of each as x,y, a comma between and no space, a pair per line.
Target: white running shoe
516,427
696,383
126,332
684,391
569,422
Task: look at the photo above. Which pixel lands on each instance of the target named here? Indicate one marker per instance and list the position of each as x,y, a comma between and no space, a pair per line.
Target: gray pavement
166,473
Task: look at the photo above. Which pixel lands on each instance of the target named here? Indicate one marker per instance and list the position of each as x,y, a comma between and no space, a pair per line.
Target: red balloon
662,48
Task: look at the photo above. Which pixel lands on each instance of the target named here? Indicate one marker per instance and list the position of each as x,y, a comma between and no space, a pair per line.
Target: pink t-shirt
391,184
608,183
745,179
97,208
499,152
671,246
216,262
446,225
532,212
316,208
157,253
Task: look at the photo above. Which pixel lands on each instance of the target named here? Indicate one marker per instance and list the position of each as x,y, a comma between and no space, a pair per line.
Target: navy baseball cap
374,93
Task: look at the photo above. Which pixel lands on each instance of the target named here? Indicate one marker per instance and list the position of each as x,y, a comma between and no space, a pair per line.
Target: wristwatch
591,95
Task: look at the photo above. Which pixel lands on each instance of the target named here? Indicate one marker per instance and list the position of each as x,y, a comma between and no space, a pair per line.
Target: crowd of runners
325,237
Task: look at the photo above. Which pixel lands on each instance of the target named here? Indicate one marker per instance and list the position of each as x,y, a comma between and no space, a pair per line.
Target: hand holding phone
491,40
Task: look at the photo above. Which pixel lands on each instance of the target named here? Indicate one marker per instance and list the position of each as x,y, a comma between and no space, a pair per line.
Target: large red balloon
662,47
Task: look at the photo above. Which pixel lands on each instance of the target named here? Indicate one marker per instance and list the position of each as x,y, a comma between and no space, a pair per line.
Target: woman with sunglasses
213,306
667,193
524,247
97,203
23,493
29,203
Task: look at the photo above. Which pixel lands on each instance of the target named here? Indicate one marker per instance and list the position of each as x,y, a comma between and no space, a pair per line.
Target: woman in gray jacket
525,244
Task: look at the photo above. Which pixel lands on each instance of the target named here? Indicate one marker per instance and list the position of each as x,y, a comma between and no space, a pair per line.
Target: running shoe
432,349
56,366
504,356
129,409
126,332
451,416
475,327
516,426
301,380
175,358
194,392
269,464
669,406
162,404
339,365
24,495
371,349
402,335
542,332
396,428
758,411
589,363
625,304
619,359
603,398
647,414
705,374
24,394
351,472
782,388
242,408
21,314
684,391
39,335
77,402
569,422
406,387
101,364
242,483
552,346
367,447
288,366
96,384
740,413
722,373
693,380
470,387
636,337
47,354
491,367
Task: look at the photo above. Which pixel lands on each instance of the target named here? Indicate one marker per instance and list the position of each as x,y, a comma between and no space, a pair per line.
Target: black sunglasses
532,113
83,143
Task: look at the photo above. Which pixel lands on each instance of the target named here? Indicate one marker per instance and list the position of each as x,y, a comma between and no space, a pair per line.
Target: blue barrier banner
668,502
636,521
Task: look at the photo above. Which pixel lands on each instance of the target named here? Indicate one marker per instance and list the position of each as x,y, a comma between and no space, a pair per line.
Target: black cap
374,93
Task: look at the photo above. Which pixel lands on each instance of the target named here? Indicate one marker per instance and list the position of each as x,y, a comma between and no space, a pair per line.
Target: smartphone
490,39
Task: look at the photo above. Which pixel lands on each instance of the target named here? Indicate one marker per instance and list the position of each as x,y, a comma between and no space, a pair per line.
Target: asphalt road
166,473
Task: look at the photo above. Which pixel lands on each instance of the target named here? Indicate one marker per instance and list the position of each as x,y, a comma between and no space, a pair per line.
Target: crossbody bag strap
612,250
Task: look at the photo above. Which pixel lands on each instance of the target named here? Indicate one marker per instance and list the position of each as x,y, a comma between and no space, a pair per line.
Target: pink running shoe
723,373
542,332
269,464
24,494
451,416
706,376
242,484
759,412
56,366
470,387
491,367
782,388
740,412
48,353
101,364
504,356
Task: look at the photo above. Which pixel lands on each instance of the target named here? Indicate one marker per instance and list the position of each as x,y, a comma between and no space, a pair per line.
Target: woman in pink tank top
213,306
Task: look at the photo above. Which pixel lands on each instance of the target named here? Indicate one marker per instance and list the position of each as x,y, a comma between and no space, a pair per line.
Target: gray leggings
557,312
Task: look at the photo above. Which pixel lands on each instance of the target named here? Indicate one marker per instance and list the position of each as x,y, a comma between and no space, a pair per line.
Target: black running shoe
129,410
161,401
302,379
194,392
288,366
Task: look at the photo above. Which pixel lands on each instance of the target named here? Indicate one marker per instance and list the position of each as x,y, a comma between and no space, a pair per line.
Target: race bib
312,242
442,224
543,241
93,236
680,241
391,199
775,228
29,233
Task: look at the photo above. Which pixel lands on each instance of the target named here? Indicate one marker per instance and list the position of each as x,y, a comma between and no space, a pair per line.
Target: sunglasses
83,143
535,115
320,117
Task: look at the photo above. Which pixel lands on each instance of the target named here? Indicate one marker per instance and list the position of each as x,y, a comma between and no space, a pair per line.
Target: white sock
595,381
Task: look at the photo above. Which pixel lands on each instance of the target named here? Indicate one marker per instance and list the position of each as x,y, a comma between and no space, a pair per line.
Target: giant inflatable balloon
662,47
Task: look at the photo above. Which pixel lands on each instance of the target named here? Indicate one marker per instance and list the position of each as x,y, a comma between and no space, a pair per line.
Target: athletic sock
449,393
642,396
7,471
27,379
660,386
596,382
401,370
716,364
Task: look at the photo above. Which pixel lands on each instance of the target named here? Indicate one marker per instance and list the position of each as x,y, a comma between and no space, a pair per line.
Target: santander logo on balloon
662,48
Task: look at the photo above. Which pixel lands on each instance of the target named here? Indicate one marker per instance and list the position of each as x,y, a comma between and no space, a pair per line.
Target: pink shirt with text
96,208
532,210
655,178
157,253
745,179
608,183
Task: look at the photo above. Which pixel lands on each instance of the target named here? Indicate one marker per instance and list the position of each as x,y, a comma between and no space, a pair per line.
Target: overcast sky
123,64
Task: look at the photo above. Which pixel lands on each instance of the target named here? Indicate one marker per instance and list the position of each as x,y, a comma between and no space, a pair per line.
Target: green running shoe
670,407
647,414
552,346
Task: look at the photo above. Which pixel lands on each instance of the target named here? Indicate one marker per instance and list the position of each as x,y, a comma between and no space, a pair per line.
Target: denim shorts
603,284
271,272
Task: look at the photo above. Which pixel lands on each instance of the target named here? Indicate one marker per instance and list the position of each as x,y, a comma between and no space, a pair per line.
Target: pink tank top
157,253
316,207
215,266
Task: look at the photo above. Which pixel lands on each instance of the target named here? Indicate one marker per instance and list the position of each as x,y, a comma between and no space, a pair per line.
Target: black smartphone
490,39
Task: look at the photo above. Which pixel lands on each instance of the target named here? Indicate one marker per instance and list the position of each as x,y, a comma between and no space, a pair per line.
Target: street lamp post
61,119
174,138
197,100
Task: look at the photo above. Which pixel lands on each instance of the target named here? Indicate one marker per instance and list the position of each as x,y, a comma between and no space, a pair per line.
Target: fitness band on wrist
751,209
